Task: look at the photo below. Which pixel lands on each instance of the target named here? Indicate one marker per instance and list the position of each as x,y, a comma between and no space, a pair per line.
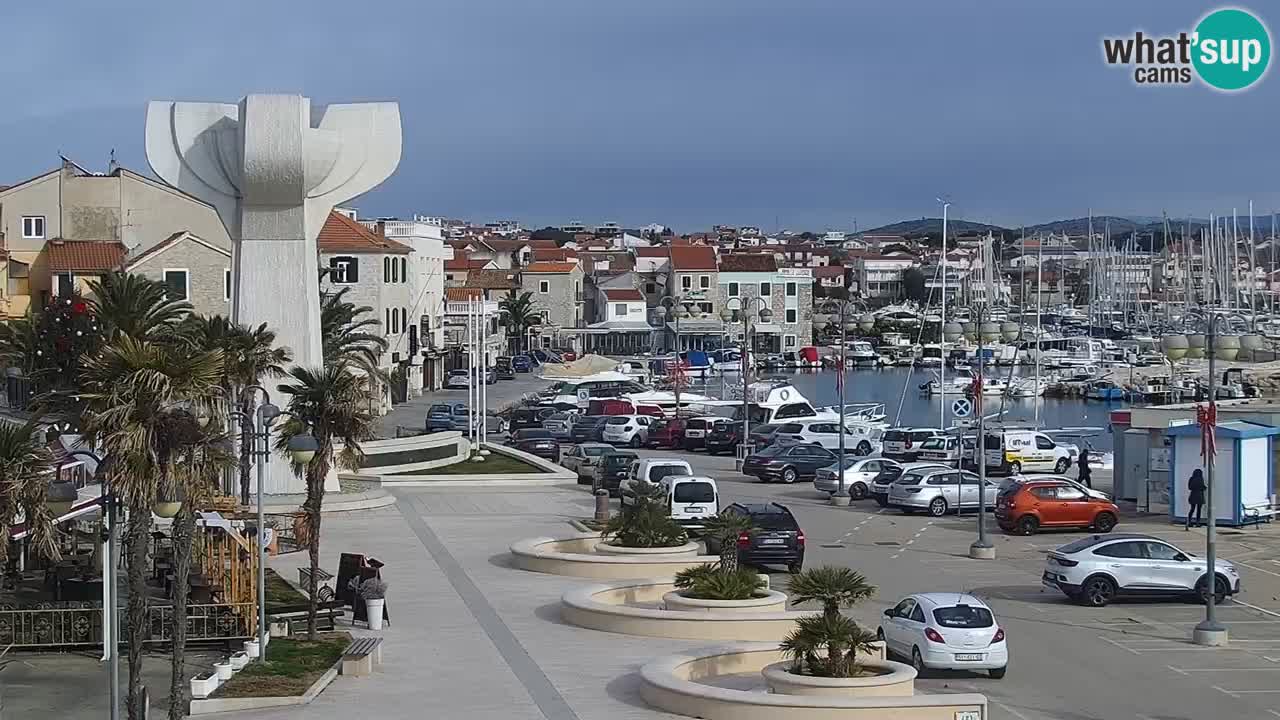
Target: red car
666,433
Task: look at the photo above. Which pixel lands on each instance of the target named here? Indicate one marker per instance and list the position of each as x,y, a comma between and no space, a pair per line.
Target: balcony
462,307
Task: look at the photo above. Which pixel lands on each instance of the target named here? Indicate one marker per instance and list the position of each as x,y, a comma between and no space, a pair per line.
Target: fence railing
51,625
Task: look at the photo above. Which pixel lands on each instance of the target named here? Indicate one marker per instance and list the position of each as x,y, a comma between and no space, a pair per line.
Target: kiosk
1242,469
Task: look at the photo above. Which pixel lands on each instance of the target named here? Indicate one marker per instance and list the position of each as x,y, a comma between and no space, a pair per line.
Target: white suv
632,430
859,441
1096,570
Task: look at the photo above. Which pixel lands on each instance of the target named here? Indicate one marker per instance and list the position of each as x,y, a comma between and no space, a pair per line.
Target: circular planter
765,601
883,678
638,607
576,556
689,548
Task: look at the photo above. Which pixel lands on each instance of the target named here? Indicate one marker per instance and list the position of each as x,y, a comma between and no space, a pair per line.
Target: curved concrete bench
612,607
886,679
576,557
604,548
674,684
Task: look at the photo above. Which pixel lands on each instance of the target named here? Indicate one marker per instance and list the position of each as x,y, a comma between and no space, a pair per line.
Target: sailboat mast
1253,280
942,330
1039,347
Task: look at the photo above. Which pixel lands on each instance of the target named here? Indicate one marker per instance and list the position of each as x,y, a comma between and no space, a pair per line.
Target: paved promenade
413,414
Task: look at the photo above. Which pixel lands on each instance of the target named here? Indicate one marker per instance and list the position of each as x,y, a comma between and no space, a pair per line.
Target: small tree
724,530
827,645
834,587
644,522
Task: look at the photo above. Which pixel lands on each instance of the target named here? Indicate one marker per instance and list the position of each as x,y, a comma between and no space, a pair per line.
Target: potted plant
714,582
223,669
644,522
828,645
374,593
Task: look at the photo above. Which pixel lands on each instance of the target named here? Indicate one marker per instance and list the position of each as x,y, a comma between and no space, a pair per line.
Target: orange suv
1026,507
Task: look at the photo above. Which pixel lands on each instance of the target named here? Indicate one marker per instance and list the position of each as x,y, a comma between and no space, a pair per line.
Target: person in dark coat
1195,498
1082,462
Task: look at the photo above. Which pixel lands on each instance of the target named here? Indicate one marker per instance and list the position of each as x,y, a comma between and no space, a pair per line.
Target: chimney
382,228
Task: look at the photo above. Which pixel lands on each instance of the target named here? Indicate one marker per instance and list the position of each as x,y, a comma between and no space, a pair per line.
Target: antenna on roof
111,161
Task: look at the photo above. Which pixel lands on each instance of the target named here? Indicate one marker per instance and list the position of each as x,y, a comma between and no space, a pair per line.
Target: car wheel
1219,595
635,441
917,662
1104,523
1015,467
789,475
997,673
1097,591
880,638
938,507
583,480
882,502
1027,525
858,491
794,568
864,448
1061,466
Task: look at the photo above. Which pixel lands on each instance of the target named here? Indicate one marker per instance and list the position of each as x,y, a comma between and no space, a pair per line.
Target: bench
360,657
1258,512
304,578
327,614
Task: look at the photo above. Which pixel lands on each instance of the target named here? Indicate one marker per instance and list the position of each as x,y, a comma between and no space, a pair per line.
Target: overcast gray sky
803,113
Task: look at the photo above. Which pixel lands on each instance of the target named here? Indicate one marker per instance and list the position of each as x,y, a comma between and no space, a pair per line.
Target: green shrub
645,522
712,582
827,646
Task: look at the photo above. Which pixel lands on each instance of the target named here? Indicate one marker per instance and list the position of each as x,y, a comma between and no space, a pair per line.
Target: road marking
1184,671
1255,607
1010,710
1254,567
912,541
1180,672
1228,692
1122,647
1238,693
1273,712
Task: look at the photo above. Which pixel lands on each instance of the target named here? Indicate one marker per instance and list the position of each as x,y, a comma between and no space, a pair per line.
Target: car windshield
591,451
774,521
616,459
658,472
888,475
895,436
963,616
439,409
910,478
934,443
694,492
1078,545
771,450
765,429
618,420
533,434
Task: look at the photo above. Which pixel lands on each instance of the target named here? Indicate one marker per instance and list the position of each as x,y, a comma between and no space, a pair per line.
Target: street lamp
981,549
842,311
679,309
726,314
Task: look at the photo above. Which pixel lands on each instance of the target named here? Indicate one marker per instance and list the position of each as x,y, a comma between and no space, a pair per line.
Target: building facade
558,298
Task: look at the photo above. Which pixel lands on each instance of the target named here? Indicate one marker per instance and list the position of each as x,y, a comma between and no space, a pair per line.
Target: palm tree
249,355
841,638
136,396
518,313
26,464
834,587
136,305
330,403
724,529
348,337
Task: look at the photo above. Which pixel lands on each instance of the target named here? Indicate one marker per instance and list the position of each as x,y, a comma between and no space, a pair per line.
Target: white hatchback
630,430
857,440
947,631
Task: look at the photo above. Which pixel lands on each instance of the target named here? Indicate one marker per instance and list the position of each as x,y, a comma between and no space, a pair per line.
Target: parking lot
1131,659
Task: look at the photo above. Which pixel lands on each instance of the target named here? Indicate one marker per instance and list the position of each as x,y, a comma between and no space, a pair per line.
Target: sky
799,114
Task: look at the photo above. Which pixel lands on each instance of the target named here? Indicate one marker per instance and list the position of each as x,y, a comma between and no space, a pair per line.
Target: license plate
969,657
693,508
773,541
968,715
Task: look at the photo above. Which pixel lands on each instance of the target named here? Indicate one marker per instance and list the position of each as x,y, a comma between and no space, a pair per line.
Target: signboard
962,407
1158,459
968,715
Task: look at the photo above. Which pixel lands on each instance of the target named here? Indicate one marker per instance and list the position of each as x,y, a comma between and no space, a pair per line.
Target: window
733,289
386,270
546,317
1044,493
791,289
704,308
963,616
1160,551
791,315
917,614
788,341
694,492
387,324
620,309
1066,493
176,281
1121,550
344,270
33,227
766,289
226,284
404,270
686,282
1044,443
650,288
448,277
704,282
904,608
544,286
66,284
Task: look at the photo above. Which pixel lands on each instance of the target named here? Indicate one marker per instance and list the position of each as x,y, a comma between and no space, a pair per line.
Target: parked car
696,429
881,483
439,417
776,538
947,449
521,363
457,380
580,458
940,491
945,631
490,376
1100,568
536,441
762,436
825,433
560,424
651,471
526,418
502,366
1017,451
630,430
691,499
904,444
787,463
724,437
666,433
613,468
1026,507
1012,480
858,475
589,428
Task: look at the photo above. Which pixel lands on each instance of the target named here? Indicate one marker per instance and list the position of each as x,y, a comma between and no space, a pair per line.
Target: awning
767,328
698,327
630,326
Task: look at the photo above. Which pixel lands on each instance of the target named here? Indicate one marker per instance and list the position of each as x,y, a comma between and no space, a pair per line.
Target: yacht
860,354
578,392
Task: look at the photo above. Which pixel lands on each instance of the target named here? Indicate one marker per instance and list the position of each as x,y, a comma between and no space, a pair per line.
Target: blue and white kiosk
1242,469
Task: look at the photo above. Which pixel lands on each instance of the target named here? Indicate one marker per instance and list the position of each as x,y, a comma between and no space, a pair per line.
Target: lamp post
942,323
111,599
866,322
726,314
981,549
679,309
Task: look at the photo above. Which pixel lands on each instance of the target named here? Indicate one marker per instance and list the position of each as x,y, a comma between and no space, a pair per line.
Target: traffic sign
961,407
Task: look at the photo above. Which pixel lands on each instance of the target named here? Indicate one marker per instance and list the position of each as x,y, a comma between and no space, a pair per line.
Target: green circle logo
1232,49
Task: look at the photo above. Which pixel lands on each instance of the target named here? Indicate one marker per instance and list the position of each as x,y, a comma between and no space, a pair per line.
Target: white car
580,458
1016,479
1096,570
632,430
858,475
946,631
882,483
457,380
827,434
903,443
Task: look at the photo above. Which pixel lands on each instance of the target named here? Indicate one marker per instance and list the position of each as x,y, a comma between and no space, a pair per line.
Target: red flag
840,381
1207,418
977,393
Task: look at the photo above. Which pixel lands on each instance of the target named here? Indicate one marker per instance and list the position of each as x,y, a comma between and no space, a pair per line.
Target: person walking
1086,475
1195,497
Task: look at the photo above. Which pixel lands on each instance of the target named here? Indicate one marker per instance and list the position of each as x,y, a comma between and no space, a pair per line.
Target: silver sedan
858,474
938,492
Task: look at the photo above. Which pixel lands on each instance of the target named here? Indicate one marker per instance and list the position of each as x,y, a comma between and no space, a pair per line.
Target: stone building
558,297
193,268
693,281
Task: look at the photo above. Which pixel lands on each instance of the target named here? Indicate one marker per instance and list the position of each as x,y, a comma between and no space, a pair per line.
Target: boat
578,392
1025,387
808,357
860,354
726,360
930,356
954,386
991,386
791,360
1105,390
895,339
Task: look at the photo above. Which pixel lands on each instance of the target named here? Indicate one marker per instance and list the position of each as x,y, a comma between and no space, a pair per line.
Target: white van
1019,451
652,470
691,499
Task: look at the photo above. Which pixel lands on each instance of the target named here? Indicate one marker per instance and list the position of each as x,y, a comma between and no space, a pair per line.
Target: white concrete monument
274,167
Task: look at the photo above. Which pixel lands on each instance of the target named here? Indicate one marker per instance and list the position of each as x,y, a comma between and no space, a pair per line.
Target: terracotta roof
829,271
551,267
624,295
463,264
463,293
749,262
492,279
85,256
552,254
653,251
541,242
342,234
692,257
